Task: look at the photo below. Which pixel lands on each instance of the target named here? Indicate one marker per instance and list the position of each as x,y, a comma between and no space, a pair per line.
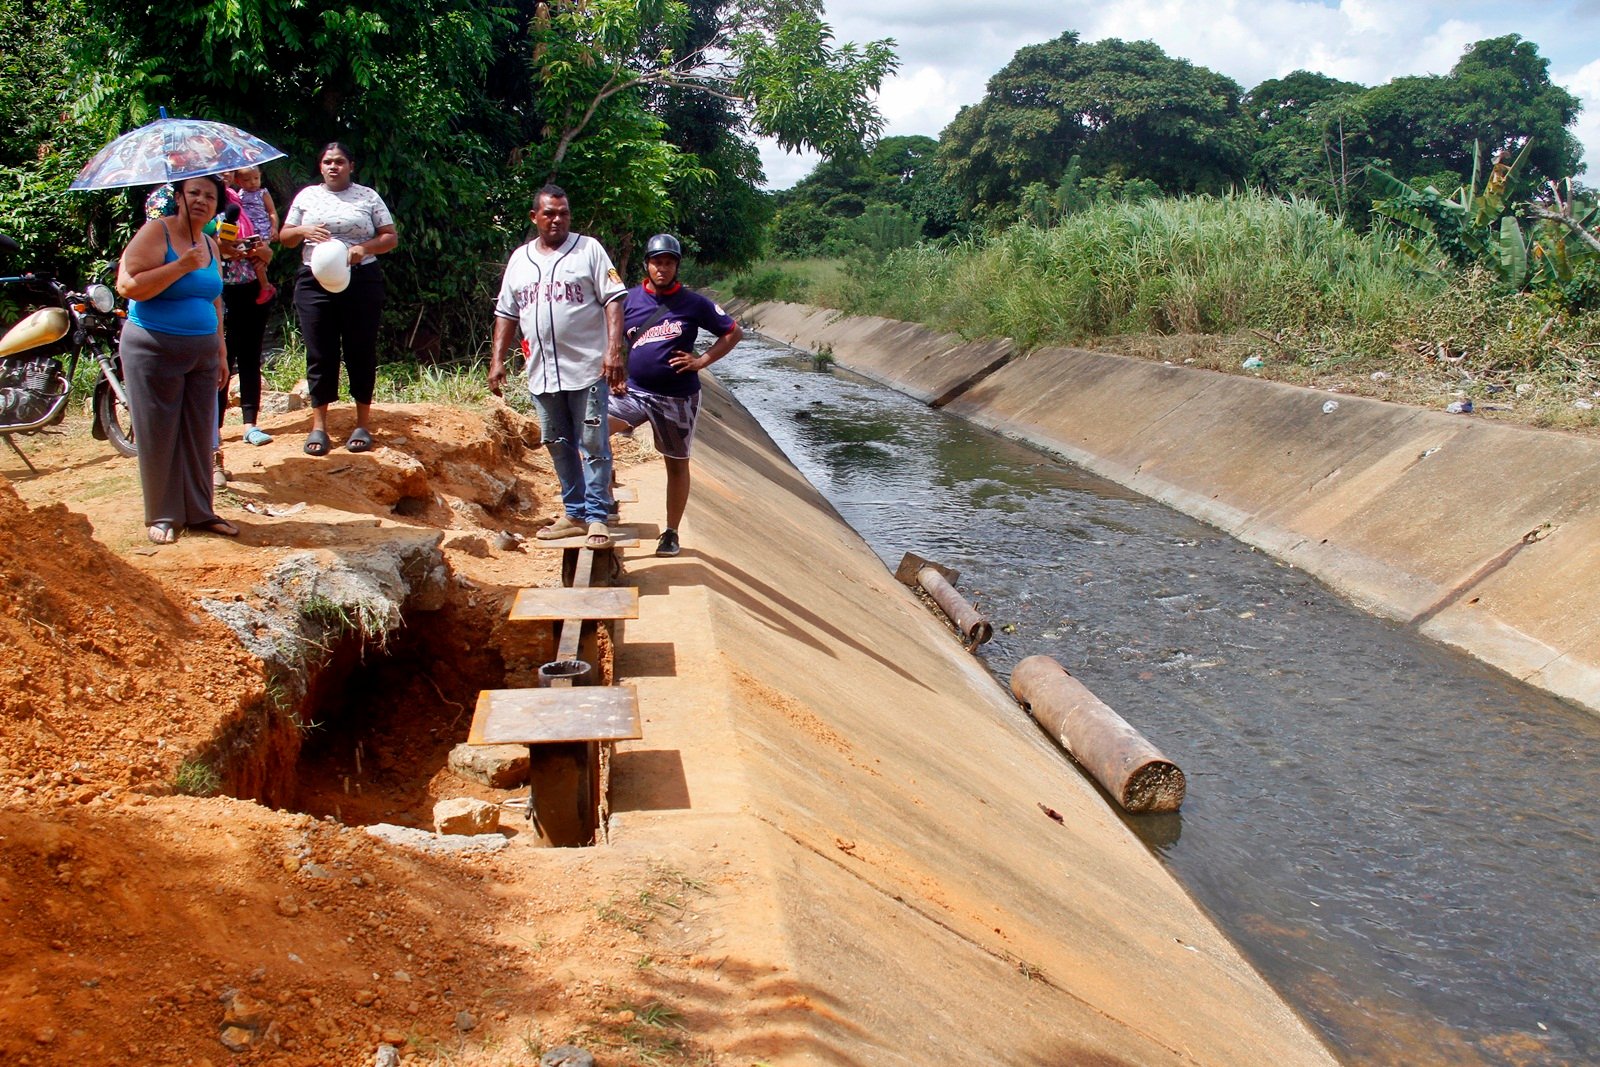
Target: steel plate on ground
537,716
597,602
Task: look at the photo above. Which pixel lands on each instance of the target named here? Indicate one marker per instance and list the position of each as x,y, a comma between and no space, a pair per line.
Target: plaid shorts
671,418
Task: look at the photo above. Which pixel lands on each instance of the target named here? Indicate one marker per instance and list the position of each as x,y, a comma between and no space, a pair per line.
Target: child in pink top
263,216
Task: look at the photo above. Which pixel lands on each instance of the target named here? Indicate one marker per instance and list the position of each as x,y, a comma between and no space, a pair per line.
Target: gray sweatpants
172,386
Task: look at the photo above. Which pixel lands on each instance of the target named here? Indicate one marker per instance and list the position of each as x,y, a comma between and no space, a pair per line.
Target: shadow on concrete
646,659
649,780
766,603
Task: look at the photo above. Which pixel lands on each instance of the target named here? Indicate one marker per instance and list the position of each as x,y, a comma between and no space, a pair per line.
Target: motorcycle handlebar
62,293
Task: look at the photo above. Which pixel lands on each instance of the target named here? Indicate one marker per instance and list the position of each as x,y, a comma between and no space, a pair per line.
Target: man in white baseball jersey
561,291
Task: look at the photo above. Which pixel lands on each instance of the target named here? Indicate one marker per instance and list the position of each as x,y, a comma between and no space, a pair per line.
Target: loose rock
237,1038
465,815
496,766
437,844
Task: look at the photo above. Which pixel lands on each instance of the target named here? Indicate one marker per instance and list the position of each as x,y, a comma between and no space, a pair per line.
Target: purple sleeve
712,318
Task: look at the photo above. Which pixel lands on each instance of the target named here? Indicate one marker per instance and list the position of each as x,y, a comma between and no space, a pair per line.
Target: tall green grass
1214,281
1193,265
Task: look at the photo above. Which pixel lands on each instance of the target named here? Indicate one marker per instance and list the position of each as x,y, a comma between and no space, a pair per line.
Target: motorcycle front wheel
115,419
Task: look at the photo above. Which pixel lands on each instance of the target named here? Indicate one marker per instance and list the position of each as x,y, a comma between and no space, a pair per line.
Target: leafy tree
1306,122
897,172
882,228
401,80
1123,108
41,150
772,60
457,108
726,224
1499,96
1045,207
1321,137
802,229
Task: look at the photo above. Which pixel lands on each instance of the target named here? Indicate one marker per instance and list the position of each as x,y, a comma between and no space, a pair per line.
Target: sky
949,48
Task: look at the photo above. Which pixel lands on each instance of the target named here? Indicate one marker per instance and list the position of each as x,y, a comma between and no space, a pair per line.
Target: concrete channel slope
1484,537
922,877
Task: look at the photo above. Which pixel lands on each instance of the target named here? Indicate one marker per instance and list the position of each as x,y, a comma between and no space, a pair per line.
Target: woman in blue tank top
174,360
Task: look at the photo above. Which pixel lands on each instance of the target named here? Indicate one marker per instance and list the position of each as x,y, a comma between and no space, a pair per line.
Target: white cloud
1585,85
924,100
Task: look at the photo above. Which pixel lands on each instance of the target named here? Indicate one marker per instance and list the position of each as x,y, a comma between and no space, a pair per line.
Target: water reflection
1400,838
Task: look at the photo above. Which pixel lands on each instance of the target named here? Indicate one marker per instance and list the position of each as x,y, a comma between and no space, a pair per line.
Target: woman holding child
340,325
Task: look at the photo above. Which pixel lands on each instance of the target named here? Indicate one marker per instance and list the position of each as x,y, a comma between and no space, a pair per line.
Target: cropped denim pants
574,424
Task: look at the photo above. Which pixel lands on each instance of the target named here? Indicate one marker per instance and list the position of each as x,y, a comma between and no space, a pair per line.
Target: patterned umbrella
169,150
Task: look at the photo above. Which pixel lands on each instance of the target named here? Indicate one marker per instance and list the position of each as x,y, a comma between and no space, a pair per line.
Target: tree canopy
457,109
1122,107
898,182
1319,136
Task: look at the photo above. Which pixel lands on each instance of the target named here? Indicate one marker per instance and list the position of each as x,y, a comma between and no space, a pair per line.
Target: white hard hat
330,265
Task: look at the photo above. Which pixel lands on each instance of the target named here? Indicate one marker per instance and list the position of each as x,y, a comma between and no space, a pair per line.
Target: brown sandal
565,526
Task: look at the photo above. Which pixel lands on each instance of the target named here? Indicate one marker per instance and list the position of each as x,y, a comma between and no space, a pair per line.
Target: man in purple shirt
661,320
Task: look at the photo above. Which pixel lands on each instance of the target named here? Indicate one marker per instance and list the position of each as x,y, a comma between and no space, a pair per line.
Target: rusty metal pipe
1130,768
974,628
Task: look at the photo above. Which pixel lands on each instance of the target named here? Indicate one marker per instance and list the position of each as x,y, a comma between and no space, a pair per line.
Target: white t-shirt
352,215
559,300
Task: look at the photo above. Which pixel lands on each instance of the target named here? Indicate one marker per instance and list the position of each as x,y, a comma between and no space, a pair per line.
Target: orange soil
138,924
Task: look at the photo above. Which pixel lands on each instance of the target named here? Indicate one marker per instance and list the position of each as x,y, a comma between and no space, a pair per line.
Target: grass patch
284,367
801,281
409,382
361,617
196,778
665,896
650,1035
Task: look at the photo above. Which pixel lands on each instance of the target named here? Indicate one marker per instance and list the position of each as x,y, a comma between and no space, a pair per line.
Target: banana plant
1473,227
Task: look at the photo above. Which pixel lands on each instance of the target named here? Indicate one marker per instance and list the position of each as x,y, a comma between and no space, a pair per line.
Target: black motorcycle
34,384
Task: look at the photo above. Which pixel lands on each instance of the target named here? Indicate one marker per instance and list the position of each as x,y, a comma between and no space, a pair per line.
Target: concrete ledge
1484,537
934,368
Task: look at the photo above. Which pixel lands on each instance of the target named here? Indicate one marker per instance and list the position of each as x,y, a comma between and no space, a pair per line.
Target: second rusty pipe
971,623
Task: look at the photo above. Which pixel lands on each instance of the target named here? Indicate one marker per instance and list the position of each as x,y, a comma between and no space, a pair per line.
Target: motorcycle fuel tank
40,328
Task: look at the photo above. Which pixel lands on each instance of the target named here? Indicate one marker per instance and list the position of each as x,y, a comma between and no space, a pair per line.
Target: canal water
1404,842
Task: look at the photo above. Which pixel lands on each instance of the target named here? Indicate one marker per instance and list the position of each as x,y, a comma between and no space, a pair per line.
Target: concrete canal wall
1484,537
898,868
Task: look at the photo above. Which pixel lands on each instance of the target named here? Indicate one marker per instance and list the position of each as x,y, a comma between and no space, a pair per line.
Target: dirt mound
104,679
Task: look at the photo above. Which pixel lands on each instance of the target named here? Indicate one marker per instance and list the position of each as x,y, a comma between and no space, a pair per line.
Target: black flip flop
317,443
360,440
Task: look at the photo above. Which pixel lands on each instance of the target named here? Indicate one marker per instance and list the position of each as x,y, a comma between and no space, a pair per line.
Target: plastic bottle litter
1253,363
1330,407
1460,407
1583,405
1380,376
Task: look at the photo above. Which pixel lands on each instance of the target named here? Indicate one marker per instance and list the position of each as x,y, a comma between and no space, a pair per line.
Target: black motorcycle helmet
664,244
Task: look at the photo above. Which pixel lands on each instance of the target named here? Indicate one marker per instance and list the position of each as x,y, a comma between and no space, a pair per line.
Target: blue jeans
573,423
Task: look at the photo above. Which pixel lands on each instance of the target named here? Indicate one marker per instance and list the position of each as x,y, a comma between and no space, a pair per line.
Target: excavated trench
369,695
